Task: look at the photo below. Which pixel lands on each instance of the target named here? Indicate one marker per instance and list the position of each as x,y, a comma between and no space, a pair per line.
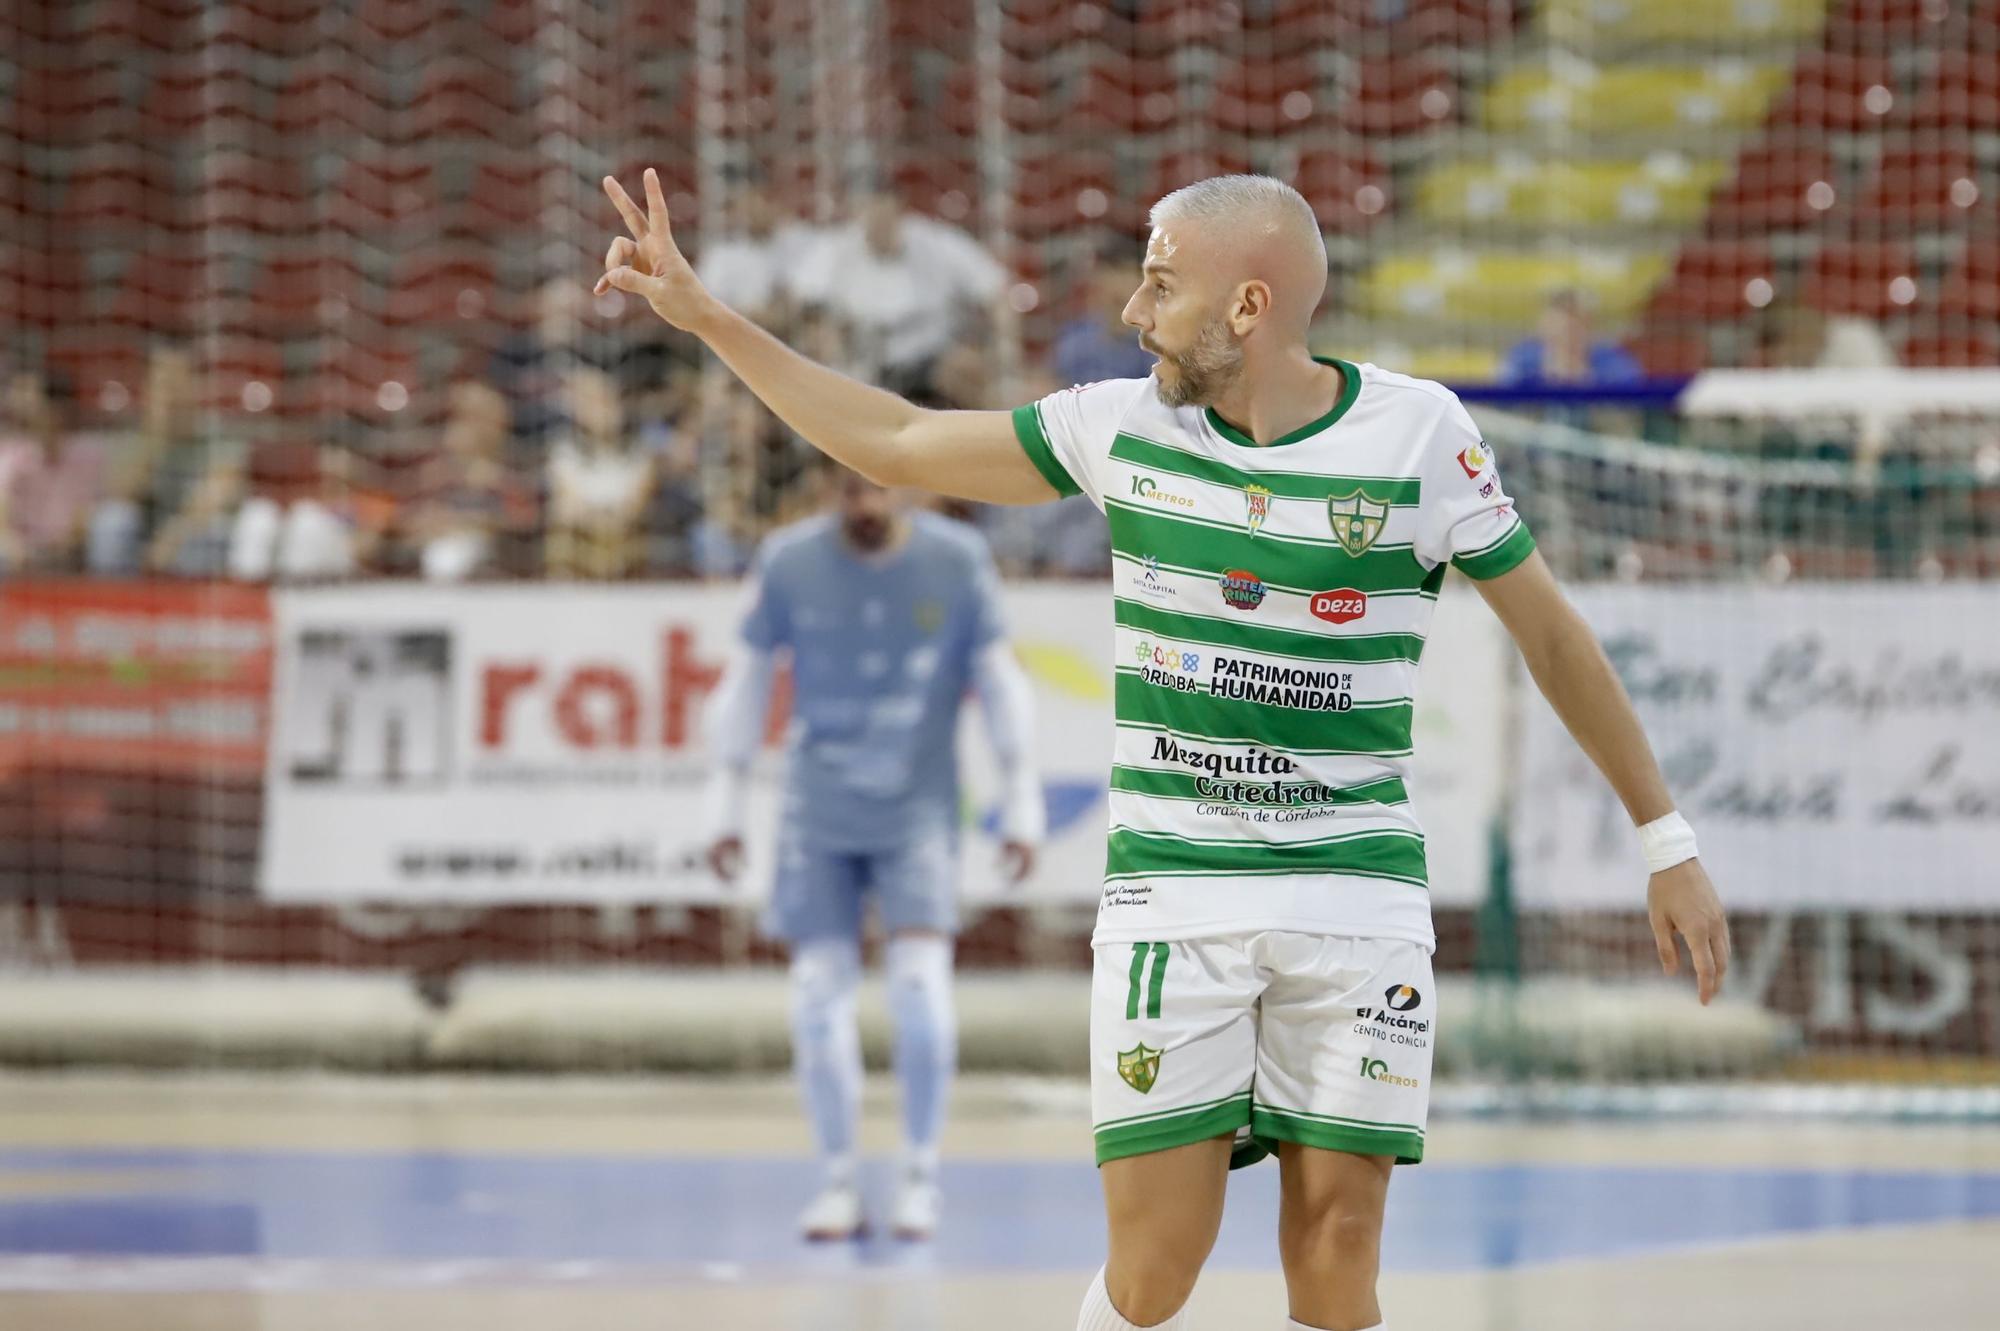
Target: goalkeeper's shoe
917,1206
834,1215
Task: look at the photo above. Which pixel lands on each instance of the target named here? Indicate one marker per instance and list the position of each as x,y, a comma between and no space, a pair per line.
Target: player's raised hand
647,263
1682,900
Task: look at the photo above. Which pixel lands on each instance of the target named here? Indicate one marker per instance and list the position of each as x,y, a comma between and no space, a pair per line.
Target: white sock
926,1050
826,1047
1099,1315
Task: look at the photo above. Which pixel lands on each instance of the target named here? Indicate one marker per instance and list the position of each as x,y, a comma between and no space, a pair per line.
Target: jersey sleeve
1465,515
1068,434
766,625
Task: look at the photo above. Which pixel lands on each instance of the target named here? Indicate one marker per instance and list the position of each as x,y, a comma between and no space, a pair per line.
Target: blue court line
1002,1216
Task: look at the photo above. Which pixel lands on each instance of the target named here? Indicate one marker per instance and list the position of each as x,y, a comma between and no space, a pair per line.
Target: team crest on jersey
1259,506
1357,520
929,615
1140,1067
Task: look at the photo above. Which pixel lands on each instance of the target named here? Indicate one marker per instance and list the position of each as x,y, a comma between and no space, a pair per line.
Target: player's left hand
1017,858
1682,901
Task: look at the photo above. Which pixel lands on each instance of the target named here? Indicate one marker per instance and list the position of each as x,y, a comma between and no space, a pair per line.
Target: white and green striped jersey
1271,604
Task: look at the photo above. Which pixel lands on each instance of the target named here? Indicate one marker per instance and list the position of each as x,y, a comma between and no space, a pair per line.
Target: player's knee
826,974
1335,1234
919,967
1149,1287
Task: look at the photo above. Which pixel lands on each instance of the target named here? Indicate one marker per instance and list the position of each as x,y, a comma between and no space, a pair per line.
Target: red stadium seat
1922,186
468,99
1713,279
1127,97
1832,90
124,186
331,98
1978,349
398,20
1962,92
296,294
1272,96
262,194
507,196
1871,279
436,291
1401,95
1971,288
1667,353
1879,26
377,195
1347,191
942,185
160,291
1775,188
1064,189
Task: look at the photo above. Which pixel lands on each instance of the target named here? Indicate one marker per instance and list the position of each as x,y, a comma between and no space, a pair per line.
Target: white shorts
1271,1036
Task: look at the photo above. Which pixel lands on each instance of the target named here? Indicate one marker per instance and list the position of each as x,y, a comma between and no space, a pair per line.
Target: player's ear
1252,303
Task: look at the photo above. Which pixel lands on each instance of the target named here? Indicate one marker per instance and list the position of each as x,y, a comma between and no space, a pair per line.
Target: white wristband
1666,842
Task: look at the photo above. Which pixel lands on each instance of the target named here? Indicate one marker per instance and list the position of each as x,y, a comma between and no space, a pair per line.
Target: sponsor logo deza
1149,489
1376,1070
1242,589
1168,665
1222,775
1342,605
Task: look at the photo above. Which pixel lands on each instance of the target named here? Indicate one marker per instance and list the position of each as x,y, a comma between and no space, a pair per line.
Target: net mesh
292,250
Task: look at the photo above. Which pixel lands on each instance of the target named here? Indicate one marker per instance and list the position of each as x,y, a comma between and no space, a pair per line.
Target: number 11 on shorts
1152,983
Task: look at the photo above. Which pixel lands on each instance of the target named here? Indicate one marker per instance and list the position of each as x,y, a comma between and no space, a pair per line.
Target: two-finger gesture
647,263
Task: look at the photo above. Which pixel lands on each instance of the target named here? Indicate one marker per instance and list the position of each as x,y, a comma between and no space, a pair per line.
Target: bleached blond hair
1239,200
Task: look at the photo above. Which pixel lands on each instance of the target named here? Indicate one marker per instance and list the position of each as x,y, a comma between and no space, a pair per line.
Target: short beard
1204,371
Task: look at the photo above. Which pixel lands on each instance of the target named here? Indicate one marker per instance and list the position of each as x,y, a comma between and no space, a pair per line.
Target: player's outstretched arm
969,454
1580,683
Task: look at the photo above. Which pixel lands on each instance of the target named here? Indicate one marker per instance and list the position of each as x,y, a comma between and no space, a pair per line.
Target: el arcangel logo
1242,589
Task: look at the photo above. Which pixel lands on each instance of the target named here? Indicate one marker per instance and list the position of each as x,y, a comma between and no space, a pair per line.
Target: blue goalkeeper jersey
882,650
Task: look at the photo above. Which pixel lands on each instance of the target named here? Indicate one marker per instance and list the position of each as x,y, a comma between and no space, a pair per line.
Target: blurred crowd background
298,289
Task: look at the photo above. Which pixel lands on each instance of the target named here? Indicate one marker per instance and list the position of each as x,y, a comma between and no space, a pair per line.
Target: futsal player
888,618
1281,525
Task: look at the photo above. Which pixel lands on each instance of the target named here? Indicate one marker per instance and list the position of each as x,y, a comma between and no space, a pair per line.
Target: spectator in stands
1565,352
598,484
752,266
757,475
51,476
666,410
468,498
909,287
1098,343
312,516
173,486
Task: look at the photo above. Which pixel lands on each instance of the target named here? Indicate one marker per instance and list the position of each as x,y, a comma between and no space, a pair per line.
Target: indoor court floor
231,1203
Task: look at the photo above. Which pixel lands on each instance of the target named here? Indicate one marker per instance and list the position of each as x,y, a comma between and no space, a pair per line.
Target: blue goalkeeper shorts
822,893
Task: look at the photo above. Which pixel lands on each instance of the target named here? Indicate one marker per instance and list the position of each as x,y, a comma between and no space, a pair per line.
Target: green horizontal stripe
1287,564
1372,730
1156,1114
1035,442
1375,855
1181,785
1248,636
1502,556
1270,1126
1284,484
1163,1134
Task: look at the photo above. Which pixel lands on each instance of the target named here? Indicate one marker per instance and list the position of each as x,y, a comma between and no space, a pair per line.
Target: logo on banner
1242,589
1140,1067
1258,500
1343,605
1357,520
1474,459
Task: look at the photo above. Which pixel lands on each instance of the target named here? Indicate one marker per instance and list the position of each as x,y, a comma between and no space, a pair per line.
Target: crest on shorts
1140,1067
1357,520
1259,500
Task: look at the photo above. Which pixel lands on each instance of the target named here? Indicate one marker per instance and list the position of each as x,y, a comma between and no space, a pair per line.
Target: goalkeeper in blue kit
888,618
